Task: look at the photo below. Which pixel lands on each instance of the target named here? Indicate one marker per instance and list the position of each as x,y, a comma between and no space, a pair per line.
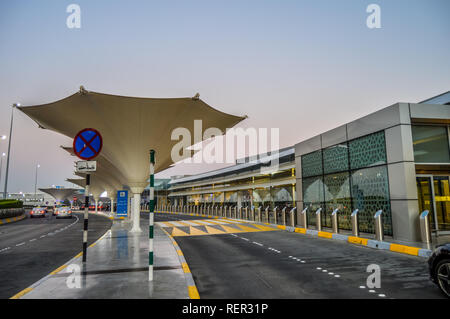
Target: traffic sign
87,144
86,166
122,203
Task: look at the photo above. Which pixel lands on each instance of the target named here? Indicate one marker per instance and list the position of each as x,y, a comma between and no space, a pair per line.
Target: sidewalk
117,267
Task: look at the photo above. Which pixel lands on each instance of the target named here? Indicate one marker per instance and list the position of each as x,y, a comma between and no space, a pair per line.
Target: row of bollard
290,218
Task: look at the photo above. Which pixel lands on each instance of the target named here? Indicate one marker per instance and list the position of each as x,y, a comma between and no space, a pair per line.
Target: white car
63,212
38,212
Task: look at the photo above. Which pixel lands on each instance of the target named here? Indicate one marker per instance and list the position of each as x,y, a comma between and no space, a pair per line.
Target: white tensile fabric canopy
108,176
131,127
60,193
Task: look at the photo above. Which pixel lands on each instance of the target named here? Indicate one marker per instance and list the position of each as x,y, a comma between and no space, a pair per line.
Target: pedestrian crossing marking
178,232
214,231
216,227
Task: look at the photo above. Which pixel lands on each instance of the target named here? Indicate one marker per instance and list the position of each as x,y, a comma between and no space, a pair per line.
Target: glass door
425,196
434,196
442,201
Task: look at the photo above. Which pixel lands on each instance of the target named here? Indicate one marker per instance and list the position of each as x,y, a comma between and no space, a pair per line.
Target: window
312,164
430,144
367,151
335,158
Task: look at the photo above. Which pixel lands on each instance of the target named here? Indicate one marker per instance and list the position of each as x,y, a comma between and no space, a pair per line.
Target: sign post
87,144
151,215
122,203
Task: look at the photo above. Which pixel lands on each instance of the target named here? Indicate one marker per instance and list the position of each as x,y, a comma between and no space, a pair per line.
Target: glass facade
430,144
348,176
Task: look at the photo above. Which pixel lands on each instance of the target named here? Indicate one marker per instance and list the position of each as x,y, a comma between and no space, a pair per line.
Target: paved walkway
117,267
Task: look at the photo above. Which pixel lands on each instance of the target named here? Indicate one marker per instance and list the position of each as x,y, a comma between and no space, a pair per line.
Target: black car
439,265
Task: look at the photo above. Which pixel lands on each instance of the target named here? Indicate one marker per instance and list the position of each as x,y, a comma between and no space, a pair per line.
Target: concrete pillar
402,183
136,212
96,198
112,205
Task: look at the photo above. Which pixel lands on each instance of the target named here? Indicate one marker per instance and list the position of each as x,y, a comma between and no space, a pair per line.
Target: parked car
439,265
63,212
38,212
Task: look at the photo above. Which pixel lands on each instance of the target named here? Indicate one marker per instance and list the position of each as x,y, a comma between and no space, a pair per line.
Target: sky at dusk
302,66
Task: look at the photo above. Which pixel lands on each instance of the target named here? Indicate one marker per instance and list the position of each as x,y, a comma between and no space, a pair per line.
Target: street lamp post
5,190
1,165
35,181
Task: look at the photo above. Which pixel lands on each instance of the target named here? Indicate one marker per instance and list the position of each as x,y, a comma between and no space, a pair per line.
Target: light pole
5,190
1,165
35,181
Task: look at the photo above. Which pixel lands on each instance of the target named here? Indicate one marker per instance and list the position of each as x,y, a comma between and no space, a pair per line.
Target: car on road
38,212
439,266
63,212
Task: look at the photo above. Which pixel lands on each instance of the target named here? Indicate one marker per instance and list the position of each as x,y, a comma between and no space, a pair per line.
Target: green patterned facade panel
345,179
370,191
367,151
312,164
337,196
335,159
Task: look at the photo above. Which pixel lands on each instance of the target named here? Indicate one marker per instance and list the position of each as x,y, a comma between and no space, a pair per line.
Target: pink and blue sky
302,66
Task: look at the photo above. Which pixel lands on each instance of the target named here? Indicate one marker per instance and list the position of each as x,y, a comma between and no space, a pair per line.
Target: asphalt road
280,264
34,247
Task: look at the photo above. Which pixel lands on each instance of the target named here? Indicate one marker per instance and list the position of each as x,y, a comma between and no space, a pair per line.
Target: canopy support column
151,216
135,208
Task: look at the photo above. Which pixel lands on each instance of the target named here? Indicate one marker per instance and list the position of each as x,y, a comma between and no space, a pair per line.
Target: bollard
425,232
275,215
379,235
283,216
334,221
240,212
303,218
246,213
267,214
319,219
292,216
355,225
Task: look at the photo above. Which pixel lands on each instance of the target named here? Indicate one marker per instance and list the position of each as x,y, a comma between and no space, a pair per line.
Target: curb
192,288
383,245
56,271
12,219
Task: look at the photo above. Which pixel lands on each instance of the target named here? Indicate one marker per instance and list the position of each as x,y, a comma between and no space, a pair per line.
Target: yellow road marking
358,240
185,267
214,231
193,292
57,270
300,230
195,231
178,232
20,294
325,234
405,249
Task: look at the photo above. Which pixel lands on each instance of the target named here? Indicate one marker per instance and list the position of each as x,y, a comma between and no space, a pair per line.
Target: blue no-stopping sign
87,144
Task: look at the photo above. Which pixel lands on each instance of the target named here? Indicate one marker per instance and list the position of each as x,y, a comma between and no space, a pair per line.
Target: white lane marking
337,276
5,249
20,244
381,295
259,244
33,239
43,236
302,261
371,291
362,287
318,268
331,273
245,239
324,270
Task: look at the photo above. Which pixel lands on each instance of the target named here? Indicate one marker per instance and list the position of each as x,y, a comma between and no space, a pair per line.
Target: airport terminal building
396,160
